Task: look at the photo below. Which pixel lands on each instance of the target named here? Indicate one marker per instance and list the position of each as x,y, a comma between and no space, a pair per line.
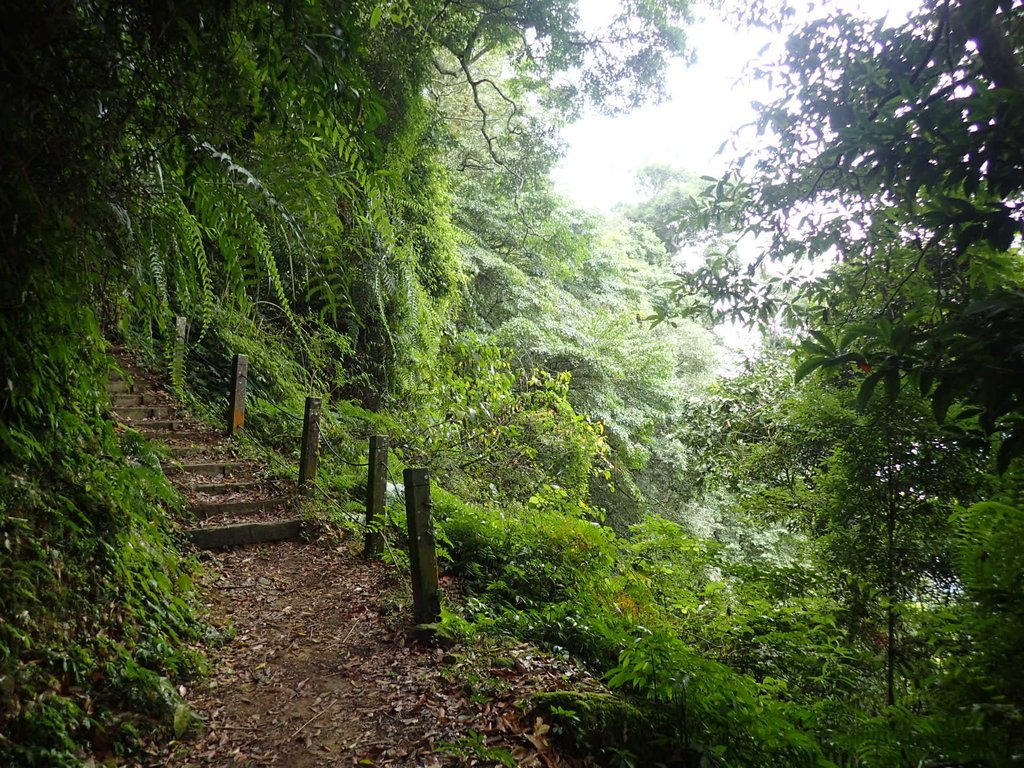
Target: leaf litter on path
318,670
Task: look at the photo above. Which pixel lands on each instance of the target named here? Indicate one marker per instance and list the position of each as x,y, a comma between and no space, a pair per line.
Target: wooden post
376,485
426,597
178,354
239,375
310,445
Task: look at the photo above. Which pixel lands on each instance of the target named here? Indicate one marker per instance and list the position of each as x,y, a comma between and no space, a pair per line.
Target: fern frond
156,269
236,171
256,237
191,237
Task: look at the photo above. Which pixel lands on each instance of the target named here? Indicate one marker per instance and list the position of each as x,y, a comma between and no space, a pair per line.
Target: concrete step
133,400
165,428
209,469
256,506
139,413
184,451
138,402
225,487
172,437
243,534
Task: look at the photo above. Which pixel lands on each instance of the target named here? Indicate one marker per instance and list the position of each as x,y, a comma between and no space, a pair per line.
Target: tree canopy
893,152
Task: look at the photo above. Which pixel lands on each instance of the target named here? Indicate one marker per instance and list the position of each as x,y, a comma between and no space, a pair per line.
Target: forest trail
312,663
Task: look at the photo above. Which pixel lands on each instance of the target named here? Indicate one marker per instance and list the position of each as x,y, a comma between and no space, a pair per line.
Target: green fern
258,241
191,239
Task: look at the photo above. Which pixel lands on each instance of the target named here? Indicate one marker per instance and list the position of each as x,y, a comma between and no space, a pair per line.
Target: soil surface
312,663
319,670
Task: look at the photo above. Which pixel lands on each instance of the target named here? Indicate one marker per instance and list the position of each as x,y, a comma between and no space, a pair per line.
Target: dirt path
313,665
319,671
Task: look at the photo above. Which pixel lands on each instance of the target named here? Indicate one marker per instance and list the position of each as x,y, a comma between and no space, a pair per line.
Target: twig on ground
314,717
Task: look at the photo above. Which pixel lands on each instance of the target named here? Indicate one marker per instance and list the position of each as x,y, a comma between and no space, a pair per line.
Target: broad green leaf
825,341
1011,447
808,366
867,389
900,339
942,398
858,331
182,719
816,349
925,380
892,384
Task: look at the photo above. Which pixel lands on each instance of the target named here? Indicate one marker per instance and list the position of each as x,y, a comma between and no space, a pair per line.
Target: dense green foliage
893,152
767,568
896,153
274,174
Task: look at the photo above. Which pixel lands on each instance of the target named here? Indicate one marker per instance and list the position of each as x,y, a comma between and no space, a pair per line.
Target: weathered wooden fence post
426,597
310,445
376,486
239,375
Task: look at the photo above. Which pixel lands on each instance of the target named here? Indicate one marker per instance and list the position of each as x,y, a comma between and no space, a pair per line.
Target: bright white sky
707,103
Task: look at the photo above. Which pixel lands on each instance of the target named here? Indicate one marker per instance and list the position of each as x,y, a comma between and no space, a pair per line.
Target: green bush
97,607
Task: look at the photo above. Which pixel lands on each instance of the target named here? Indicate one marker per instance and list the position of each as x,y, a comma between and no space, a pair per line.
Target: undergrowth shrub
625,606
97,606
712,715
525,557
495,432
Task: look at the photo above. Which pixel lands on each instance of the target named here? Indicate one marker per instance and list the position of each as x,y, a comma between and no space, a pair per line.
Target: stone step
165,428
184,451
243,534
225,487
138,413
209,469
139,404
256,506
173,437
132,400
125,370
